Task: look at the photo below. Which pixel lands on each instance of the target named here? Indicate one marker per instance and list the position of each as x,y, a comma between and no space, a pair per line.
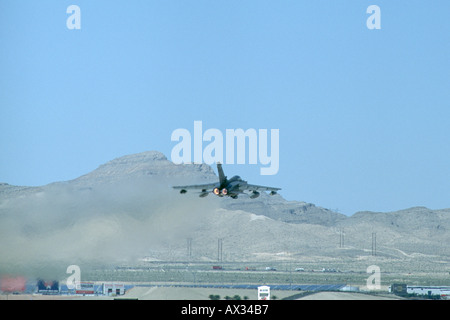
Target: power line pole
189,247
341,238
219,250
374,243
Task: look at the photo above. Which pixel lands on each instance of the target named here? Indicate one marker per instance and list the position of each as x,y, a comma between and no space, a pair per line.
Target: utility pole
189,247
374,243
219,250
341,238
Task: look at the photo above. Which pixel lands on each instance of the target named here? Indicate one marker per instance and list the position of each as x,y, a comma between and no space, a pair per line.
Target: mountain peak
145,164
147,156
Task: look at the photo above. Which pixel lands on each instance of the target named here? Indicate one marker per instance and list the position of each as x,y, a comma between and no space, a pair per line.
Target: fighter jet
227,187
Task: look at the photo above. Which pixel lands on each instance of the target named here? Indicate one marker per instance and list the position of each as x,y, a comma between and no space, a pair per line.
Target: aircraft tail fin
222,176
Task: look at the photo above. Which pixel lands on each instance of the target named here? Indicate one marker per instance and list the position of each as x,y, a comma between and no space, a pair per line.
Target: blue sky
364,115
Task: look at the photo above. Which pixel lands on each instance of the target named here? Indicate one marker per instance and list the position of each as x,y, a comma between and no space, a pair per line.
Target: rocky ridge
126,209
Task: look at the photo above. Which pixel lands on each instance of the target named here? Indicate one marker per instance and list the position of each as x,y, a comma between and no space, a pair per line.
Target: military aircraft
227,187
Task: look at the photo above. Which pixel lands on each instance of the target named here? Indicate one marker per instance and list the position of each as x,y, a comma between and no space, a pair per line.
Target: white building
264,293
110,289
444,292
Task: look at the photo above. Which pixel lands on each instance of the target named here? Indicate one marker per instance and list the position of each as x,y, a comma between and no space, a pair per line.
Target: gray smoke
43,232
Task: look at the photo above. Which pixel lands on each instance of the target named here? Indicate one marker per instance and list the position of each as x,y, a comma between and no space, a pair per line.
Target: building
110,289
85,288
399,289
442,291
264,293
404,290
48,287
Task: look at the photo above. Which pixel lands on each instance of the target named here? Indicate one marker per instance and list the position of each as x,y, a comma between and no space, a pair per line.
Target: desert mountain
126,209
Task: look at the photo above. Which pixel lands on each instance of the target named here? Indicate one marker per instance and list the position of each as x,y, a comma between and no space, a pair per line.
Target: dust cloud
45,231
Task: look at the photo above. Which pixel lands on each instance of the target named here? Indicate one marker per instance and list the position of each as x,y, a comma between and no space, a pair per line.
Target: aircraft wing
208,186
254,187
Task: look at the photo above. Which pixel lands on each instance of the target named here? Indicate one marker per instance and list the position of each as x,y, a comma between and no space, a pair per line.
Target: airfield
190,280
176,293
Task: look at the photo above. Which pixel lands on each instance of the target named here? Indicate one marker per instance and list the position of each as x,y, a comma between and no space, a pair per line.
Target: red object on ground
10,284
